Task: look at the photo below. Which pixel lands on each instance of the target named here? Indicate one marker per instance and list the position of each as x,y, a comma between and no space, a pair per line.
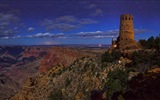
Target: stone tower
126,40
126,27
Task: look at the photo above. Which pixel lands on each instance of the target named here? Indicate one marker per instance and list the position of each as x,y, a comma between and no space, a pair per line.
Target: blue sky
49,22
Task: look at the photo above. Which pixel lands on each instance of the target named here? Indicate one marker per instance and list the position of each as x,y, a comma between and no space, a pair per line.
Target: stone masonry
125,40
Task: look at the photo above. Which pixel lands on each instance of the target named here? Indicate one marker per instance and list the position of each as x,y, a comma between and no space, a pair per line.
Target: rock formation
8,87
19,63
61,55
74,82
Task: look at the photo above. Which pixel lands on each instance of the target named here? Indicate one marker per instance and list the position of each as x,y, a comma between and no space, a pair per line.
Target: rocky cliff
88,77
16,64
62,55
73,82
8,87
20,63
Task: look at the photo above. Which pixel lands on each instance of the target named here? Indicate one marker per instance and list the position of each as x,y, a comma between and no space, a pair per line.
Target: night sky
49,22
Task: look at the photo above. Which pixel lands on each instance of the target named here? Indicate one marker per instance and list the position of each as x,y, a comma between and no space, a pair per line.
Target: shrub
151,43
110,56
118,80
68,81
143,60
56,95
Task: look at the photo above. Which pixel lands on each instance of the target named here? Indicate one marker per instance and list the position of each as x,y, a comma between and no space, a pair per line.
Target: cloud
61,26
15,37
8,18
98,34
3,5
10,37
97,12
87,21
6,32
66,23
46,35
139,31
106,34
94,10
66,19
91,6
86,35
30,29
4,38
8,23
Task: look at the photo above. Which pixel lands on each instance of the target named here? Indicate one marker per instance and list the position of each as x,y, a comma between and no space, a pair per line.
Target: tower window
129,18
126,18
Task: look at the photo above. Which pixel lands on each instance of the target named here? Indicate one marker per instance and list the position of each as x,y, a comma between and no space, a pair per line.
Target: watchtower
126,27
126,41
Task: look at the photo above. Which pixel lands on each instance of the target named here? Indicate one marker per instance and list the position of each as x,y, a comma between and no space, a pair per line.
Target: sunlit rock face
58,55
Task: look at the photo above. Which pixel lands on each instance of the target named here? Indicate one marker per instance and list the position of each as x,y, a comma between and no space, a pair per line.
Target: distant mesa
125,40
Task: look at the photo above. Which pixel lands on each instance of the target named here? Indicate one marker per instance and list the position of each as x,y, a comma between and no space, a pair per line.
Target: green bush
151,43
143,60
56,95
110,56
118,80
68,81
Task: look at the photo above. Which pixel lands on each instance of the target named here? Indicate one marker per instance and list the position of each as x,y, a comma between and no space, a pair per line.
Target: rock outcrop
73,82
20,63
16,64
8,87
57,55
144,86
